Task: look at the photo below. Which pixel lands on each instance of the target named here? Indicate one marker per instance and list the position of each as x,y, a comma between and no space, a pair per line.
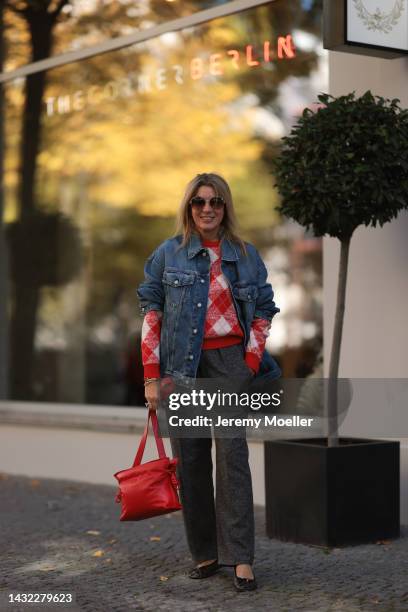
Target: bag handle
159,442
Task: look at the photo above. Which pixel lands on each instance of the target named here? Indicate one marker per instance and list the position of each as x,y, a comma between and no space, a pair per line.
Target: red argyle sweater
221,328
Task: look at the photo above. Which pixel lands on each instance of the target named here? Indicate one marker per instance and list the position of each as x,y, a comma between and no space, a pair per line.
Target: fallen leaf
164,578
155,539
112,541
93,532
71,489
381,542
98,553
108,560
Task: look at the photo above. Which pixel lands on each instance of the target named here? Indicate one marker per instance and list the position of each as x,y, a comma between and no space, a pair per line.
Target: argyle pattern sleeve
256,343
151,329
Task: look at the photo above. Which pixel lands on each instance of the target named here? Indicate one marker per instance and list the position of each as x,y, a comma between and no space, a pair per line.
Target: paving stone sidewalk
62,536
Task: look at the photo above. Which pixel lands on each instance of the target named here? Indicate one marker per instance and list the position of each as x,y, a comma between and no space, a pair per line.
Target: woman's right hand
152,394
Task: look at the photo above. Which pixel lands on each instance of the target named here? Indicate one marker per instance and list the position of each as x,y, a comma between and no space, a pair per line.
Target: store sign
378,23
212,65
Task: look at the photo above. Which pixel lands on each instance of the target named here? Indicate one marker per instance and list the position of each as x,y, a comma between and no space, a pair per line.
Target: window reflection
97,155
66,25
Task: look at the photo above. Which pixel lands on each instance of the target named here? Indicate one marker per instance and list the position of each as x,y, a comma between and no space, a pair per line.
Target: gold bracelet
147,381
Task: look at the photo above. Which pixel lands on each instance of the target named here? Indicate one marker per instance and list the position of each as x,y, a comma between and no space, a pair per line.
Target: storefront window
35,30
97,154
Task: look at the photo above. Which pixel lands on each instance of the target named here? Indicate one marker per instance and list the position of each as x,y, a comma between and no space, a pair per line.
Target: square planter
332,496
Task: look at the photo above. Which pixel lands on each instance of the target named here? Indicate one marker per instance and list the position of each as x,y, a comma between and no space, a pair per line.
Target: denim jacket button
202,281
191,357
199,305
176,282
195,330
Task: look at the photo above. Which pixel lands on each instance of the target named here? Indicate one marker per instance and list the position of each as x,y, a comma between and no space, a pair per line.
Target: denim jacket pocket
176,283
246,293
178,278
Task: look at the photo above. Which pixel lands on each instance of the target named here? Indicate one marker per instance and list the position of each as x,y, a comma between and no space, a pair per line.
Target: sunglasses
216,202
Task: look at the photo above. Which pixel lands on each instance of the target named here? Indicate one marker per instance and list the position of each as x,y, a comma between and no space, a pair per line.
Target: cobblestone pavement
62,536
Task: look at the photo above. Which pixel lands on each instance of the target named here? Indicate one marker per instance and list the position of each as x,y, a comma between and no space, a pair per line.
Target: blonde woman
208,309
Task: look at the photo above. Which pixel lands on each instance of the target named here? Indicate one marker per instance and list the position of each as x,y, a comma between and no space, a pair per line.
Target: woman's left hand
152,394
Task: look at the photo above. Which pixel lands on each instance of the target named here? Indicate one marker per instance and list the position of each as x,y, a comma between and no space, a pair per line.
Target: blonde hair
185,223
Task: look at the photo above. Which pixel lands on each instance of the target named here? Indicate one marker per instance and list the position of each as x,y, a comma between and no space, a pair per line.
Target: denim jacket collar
228,250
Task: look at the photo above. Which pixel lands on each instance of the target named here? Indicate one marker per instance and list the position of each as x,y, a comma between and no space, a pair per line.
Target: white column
375,335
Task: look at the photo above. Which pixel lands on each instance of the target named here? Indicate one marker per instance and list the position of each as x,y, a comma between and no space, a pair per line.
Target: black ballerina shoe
244,584
204,571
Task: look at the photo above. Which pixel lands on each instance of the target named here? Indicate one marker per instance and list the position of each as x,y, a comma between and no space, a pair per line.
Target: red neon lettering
235,57
215,67
250,60
196,68
267,50
286,46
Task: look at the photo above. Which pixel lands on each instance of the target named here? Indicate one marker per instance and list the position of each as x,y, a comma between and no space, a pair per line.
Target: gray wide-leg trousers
223,529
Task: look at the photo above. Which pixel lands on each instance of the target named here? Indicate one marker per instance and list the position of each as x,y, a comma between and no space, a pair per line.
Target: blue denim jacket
177,282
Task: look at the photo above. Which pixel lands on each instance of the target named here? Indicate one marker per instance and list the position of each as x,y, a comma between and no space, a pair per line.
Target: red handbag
149,489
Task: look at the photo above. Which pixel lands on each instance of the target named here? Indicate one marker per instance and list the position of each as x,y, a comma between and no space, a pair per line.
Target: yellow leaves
164,578
51,162
222,36
155,538
138,152
100,552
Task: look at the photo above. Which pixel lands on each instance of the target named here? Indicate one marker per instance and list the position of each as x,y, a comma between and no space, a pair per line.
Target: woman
208,310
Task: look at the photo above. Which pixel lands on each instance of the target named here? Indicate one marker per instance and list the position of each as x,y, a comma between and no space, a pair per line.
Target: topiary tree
344,165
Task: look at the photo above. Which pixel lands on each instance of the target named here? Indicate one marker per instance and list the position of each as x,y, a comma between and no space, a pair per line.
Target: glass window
97,155
35,31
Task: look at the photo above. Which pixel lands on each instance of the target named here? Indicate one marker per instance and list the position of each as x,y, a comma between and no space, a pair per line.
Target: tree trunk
331,408
26,294
4,279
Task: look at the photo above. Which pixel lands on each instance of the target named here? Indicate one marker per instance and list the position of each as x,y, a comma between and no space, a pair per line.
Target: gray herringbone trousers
223,529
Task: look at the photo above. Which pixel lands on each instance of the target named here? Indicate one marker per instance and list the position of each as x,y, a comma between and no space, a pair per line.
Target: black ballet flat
204,571
244,584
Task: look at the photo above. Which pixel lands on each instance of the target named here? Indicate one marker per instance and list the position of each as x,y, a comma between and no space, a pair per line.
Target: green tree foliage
345,165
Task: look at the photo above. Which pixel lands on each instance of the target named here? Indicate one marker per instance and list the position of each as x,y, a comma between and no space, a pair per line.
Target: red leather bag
151,488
